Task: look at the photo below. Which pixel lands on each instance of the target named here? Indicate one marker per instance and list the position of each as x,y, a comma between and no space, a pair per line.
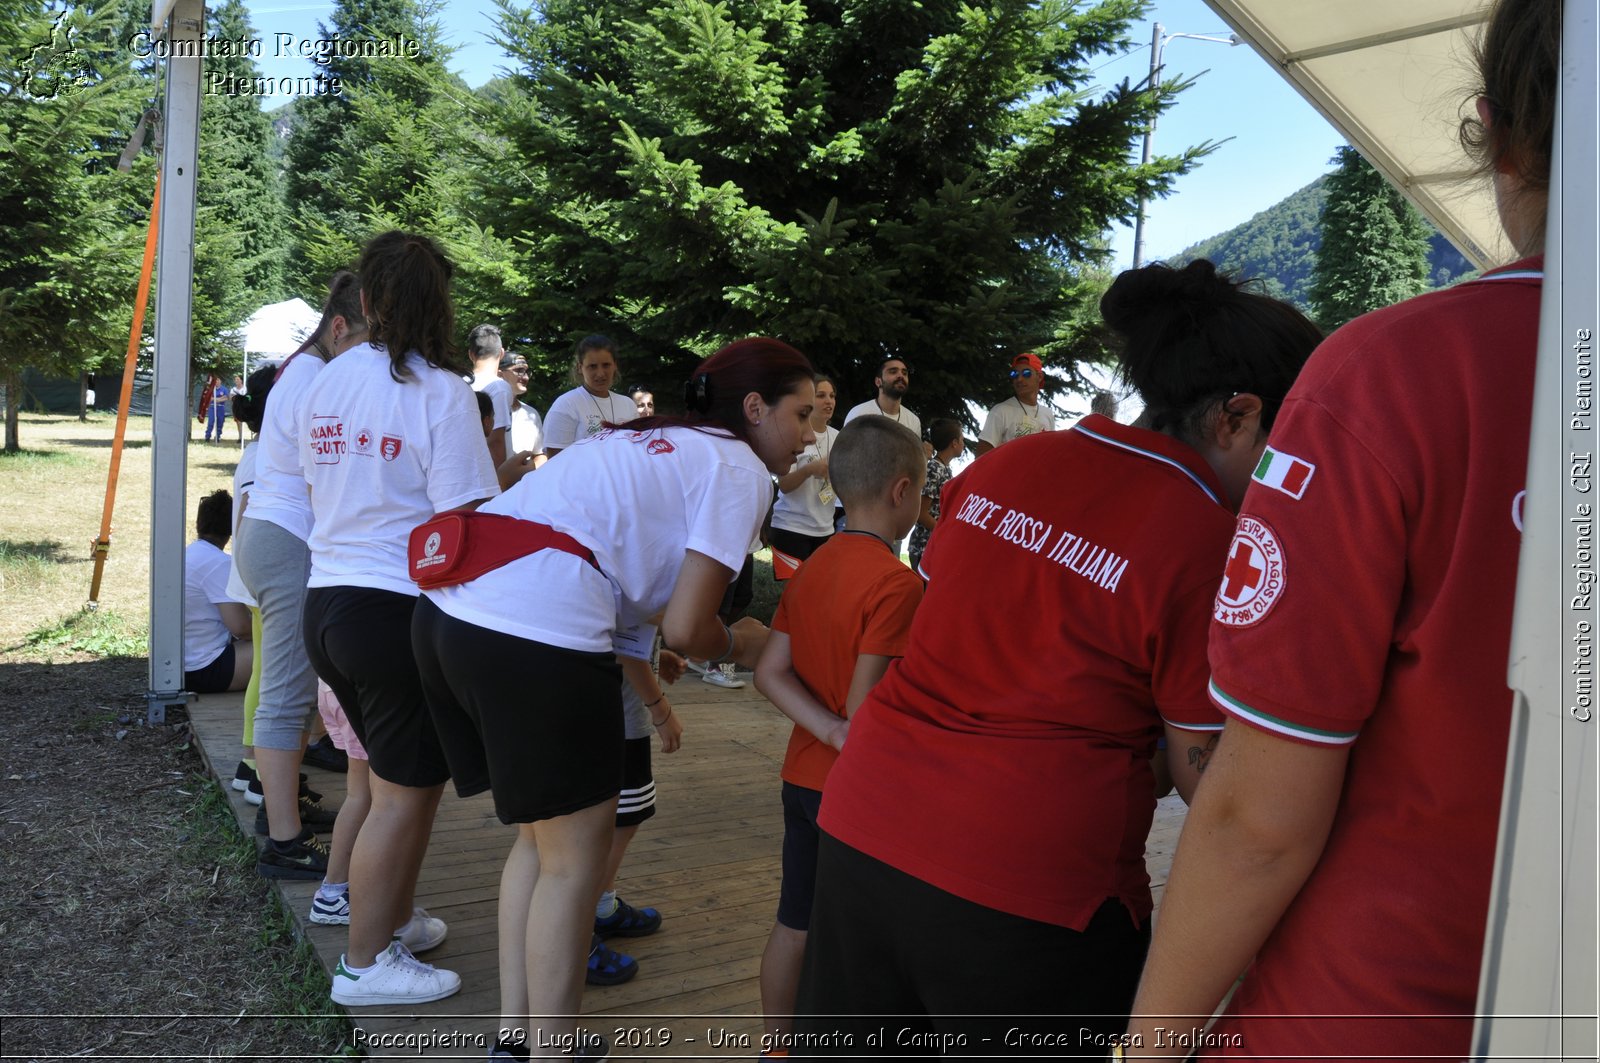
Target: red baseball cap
1028,360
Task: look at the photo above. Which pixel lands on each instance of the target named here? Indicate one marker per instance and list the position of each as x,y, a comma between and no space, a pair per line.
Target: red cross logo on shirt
1254,578
1242,573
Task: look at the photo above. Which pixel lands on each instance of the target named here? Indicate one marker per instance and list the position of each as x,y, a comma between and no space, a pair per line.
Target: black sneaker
255,795
303,858
312,816
325,755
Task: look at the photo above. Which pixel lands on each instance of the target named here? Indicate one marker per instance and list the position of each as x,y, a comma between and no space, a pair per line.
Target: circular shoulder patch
1253,580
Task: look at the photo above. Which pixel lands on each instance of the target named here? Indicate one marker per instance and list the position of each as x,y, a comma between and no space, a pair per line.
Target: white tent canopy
278,329
1395,78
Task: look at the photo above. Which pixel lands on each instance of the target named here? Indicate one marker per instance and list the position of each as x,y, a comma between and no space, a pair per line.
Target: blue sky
1278,144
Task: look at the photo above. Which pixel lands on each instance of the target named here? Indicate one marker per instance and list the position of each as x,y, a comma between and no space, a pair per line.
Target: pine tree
860,177
393,149
73,223
1374,245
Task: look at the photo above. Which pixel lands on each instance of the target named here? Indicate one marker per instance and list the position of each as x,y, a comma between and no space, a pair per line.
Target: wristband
663,721
727,652
658,700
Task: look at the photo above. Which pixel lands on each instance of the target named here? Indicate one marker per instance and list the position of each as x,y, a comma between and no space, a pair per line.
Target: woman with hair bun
645,523
390,437
1341,850
983,831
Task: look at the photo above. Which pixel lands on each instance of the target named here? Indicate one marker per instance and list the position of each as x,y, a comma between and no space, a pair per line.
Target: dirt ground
134,924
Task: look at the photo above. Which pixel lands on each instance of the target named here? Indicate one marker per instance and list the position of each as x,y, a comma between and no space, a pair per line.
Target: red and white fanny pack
461,545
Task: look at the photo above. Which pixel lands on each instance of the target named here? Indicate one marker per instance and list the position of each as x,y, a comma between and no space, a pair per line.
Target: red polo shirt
1377,563
1006,758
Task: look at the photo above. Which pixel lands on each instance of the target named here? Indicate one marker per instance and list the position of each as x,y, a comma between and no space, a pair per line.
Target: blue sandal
607,967
628,922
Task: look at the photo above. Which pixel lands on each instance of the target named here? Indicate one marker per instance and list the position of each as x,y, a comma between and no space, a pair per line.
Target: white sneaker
396,978
696,666
423,932
722,676
331,913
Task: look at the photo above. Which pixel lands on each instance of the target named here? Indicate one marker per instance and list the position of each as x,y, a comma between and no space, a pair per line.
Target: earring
758,420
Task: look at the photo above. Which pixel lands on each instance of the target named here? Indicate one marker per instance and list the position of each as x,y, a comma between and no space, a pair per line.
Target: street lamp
1158,44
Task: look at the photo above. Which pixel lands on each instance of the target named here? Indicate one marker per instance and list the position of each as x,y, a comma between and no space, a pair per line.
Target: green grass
27,460
764,600
298,989
102,633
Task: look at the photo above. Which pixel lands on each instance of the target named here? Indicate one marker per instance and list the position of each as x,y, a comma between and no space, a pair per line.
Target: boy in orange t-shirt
844,617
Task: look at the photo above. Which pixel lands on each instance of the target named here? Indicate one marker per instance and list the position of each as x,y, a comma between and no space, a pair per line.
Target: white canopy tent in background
1391,75
276,331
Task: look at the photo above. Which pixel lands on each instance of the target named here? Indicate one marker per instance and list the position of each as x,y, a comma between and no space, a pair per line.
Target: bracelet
727,652
663,721
658,701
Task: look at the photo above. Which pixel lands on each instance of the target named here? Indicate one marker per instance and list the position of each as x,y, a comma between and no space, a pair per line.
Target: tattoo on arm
1199,756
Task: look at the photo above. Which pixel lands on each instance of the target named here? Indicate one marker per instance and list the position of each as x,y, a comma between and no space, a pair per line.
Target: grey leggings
275,565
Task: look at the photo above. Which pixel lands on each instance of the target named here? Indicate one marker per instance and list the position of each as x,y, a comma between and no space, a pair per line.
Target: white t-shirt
244,478
638,500
904,417
804,510
205,586
527,431
499,393
1012,420
280,495
578,414
382,457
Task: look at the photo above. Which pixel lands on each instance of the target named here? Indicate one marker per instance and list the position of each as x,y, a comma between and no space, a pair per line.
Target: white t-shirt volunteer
809,508
205,586
578,415
638,500
903,417
244,479
527,431
1010,420
499,393
280,496
382,457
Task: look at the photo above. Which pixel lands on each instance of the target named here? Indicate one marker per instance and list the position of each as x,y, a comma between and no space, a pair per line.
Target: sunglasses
1021,372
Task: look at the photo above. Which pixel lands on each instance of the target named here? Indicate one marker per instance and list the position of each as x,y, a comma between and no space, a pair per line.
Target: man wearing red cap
1021,415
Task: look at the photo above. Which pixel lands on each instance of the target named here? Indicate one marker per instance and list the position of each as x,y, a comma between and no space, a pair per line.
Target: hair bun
1137,293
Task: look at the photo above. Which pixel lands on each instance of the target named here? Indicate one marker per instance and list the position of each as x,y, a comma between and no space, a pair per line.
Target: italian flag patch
1283,472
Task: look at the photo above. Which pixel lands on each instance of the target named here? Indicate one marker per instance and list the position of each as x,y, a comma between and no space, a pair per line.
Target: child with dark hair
944,434
216,629
844,616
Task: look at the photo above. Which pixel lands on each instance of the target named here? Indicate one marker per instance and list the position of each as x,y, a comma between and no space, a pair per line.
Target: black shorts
637,802
736,599
538,725
800,807
887,951
797,545
359,642
214,678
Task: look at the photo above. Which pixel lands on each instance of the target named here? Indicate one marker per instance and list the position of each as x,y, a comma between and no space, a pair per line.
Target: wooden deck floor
708,861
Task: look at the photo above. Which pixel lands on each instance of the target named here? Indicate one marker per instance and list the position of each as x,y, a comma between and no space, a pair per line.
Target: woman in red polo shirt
984,827
1344,840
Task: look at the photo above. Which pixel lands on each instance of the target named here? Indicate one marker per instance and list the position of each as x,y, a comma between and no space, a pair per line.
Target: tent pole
170,406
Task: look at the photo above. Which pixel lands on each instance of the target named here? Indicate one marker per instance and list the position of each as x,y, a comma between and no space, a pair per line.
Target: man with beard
892,382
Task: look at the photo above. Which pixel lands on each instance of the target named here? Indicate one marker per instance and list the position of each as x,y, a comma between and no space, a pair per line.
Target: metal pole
1538,990
1149,135
169,509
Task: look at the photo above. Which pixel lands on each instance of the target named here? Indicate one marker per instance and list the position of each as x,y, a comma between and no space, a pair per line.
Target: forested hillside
1279,247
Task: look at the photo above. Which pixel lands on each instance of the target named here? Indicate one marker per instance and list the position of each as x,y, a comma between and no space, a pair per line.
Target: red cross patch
1253,579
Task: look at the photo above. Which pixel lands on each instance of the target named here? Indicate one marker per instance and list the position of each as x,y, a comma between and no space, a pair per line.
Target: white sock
329,891
607,906
354,969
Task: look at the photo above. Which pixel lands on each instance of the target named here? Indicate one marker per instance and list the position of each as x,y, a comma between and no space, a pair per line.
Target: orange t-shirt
850,597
